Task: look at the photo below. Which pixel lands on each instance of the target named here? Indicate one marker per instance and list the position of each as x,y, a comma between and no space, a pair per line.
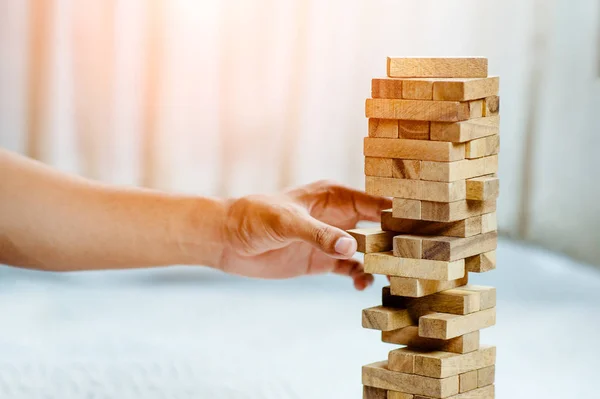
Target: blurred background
242,96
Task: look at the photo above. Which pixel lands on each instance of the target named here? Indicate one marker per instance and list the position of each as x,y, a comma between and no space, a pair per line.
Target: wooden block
410,336
489,222
407,246
388,264
416,288
455,301
458,170
461,228
376,393
467,381
417,110
486,376
414,149
383,128
381,167
476,109
440,364
386,319
479,393
446,326
406,208
372,239
460,132
417,89
399,395
402,360
387,88
481,263
483,147
465,89
487,295
491,106
413,130
483,188
454,248
426,67
453,211
416,189
406,169
379,376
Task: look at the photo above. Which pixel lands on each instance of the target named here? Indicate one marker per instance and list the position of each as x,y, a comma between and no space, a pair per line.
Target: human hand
298,232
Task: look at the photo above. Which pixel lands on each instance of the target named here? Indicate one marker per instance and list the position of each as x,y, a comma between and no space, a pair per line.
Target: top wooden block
423,67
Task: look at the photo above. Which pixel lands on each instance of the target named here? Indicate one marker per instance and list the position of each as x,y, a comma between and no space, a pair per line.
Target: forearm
52,221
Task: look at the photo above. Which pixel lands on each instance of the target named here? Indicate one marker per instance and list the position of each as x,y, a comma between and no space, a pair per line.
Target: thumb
329,239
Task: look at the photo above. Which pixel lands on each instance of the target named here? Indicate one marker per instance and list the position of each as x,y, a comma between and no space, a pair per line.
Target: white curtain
238,96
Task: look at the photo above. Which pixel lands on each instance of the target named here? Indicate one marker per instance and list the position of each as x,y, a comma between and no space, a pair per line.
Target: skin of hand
298,232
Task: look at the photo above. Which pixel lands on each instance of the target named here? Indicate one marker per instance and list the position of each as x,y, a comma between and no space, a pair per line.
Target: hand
298,232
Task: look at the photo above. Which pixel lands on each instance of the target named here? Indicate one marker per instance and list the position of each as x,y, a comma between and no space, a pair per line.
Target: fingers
354,269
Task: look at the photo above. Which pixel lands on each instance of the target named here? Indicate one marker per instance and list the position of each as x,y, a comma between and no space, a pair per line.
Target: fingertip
346,246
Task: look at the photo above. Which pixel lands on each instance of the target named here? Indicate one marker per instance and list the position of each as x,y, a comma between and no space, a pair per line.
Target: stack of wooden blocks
432,146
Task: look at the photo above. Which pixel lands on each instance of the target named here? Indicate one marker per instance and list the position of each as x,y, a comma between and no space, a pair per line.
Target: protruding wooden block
386,319
467,381
417,89
481,263
465,89
453,211
483,147
409,336
376,393
440,364
454,248
402,360
383,128
379,376
407,246
446,326
486,376
413,149
455,301
406,169
372,239
416,288
388,264
381,167
406,208
387,88
399,395
458,170
461,228
418,110
460,132
487,295
426,67
483,188
489,222
492,106
416,189
413,130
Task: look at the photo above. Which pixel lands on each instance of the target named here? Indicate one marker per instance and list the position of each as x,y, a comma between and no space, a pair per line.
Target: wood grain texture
381,167
410,336
458,170
379,376
440,364
454,301
467,381
427,67
376,393
403,360
446,326
418,110
454,248
386,319
383,128
387,88
416,189
406,208
372,239
413,130
487,295
489,222
399,395
406,169
460,132
465,89
453,211
483,188
414,149
407,246
417,89
476,109
416,288
482,147
491,106
461,228
387,264
481,263
479,393
486,376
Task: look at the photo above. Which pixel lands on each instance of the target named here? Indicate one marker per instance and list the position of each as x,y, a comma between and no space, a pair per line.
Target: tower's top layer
439,67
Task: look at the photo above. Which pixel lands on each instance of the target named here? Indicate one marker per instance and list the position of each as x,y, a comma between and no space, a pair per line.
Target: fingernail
345,246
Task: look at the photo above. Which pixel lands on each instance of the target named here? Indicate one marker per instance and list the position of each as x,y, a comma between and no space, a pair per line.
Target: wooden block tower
432,146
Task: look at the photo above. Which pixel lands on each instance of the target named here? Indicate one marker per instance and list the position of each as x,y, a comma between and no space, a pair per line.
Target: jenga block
388,264
416,288
413,130
407,246
481,263
487,295
467,381
399,395
387,88
422,67
406,208
413,149
417,89
483,147
406,169
381,167
379,376
460,132
489,222
479,393
461,228
455,301
416,189
383,128
409,336
402,360
491,106
452,211
418,110
458,170
372,239
376,393
476,109
440,364
465,89
454,248
446,326
486,376
386,319
483,188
